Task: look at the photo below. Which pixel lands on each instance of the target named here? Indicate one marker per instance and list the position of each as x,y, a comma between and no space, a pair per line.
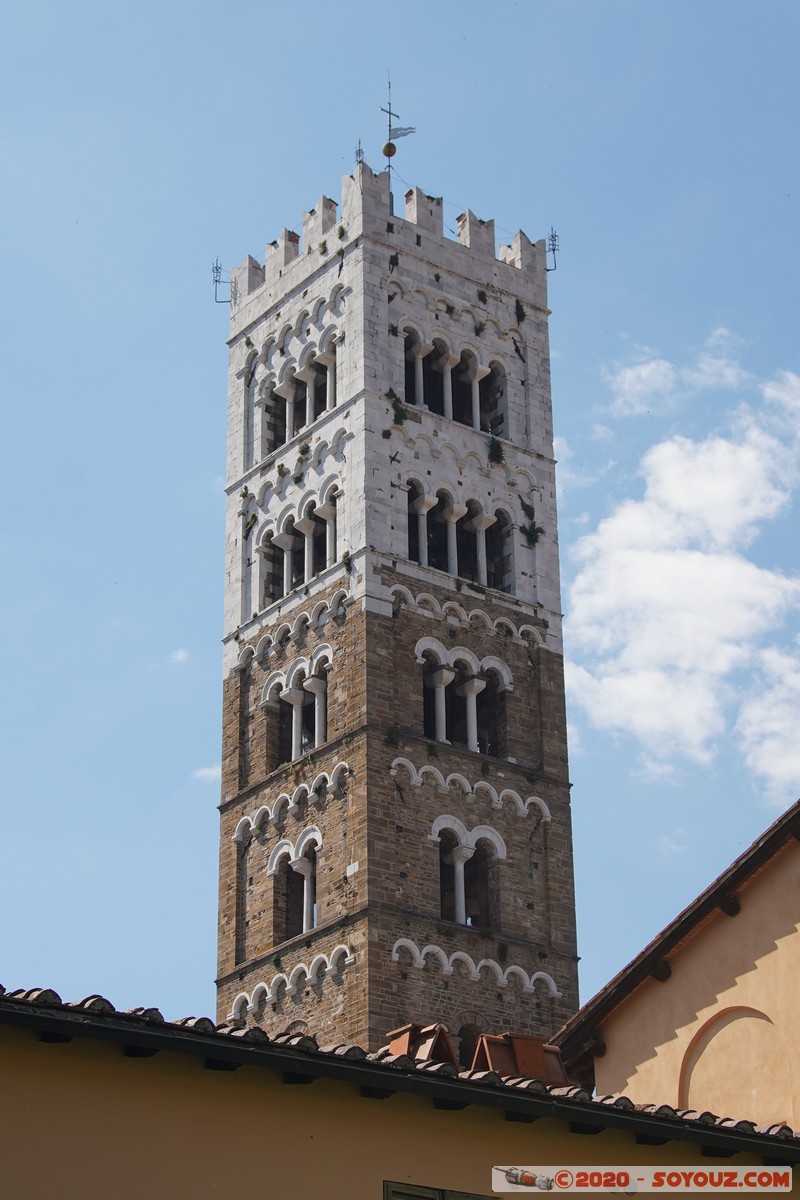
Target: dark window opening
319,389
284,730
273,423
456,709
433,383
491,391
491,713
467,1041
467,542
272,573
410,346
462,391
498,554
319,544
437,532
300,404
477,905
307,723
294,886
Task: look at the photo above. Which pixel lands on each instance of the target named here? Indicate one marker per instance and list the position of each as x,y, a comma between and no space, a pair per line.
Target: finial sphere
389,149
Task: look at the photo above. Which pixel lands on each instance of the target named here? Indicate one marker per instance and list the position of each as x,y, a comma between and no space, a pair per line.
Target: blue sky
141,142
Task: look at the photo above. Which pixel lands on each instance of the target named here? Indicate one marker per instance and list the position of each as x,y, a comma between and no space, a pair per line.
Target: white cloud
637,388
208,774
652,384
666,613
768,725
178,657
670,846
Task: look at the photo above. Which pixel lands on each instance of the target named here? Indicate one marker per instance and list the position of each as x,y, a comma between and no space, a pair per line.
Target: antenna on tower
552,248
219,282
359,152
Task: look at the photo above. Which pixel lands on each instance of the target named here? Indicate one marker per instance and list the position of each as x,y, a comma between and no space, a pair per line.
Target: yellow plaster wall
81,1121
722,1032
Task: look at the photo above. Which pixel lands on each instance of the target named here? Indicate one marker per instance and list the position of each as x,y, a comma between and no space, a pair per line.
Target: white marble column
439,680
460,855
294,696
469,689
422,506
445,365
453,516
306,526
306,869
285,542
328,513
480,524
319,688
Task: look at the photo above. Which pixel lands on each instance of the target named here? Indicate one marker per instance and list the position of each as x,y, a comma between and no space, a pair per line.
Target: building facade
395,834
705,1017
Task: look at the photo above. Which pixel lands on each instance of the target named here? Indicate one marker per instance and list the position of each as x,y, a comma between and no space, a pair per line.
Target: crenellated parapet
367,211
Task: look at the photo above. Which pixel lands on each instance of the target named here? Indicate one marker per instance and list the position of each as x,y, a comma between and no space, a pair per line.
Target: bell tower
395,823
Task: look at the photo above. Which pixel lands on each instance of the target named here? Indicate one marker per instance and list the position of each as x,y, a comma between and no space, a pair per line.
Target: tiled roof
299,1057
579,1037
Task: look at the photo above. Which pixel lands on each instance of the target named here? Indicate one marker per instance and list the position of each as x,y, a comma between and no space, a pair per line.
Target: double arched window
456,387
296,702
468,872
461,539
294,870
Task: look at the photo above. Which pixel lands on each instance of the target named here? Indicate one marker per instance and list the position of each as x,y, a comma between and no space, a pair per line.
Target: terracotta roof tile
198,1024
152,1016
93,1003
94,1014
353,1053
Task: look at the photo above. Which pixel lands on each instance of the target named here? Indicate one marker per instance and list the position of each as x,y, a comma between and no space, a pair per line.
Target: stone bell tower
395,836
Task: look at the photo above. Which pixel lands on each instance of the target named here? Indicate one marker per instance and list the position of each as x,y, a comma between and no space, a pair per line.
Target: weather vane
393,132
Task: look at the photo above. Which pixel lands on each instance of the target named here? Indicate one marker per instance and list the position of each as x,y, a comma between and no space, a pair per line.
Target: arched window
499,553
477,886
462,377
271,572
328,357
301,406
319,391
412,351
467,542
491,717
468,877
441,533
294,897
283,733
272,408
467,1042
433,367
491,394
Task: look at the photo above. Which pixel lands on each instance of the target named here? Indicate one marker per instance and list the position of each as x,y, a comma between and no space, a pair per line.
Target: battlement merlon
518,269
